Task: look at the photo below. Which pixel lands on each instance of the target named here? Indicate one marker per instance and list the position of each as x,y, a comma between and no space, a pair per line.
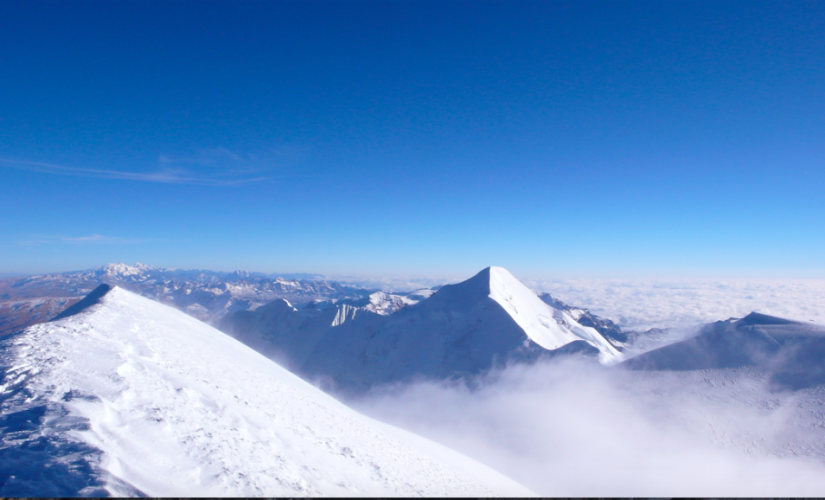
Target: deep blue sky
352,137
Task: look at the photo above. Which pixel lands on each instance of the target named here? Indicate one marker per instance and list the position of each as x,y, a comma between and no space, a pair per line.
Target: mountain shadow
793,353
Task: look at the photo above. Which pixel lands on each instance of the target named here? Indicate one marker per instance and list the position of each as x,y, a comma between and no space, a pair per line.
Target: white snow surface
386,303
181,409
546,326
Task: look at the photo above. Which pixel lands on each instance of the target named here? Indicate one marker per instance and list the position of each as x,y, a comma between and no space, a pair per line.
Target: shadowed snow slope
142,398
792,352
461,329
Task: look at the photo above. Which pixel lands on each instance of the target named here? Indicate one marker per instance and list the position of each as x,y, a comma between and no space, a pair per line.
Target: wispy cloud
166,175
95,239
210,156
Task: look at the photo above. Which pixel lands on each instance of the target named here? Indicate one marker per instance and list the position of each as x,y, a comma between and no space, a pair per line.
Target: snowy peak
237,276
548,327
478,287
123,270
277,306
538,321
85,303
756,318
543,324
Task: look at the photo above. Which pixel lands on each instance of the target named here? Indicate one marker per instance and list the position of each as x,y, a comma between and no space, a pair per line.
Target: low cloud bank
569,428
644,304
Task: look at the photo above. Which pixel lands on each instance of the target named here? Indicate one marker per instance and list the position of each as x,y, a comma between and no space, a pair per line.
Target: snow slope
154,401
548,327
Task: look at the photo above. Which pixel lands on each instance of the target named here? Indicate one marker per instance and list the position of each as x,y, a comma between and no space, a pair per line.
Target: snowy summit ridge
130,396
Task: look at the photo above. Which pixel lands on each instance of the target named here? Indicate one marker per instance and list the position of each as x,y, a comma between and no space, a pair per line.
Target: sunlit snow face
568,428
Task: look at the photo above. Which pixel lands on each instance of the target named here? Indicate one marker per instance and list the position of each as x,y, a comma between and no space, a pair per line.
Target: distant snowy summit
461,329
126,396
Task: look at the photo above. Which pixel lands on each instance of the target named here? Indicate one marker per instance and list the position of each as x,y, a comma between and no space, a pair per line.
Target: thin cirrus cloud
97,239
167,175
94,239
209,156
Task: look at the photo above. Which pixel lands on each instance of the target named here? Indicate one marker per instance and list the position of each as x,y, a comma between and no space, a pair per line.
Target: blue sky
352,137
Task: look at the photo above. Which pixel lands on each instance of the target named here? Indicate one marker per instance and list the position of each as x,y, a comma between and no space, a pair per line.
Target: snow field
181,409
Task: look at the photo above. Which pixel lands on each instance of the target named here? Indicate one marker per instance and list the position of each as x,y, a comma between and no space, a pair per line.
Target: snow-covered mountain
127,396
206,295
584,317
462,329
790,351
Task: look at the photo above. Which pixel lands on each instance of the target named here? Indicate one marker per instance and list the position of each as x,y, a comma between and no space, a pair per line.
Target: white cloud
94,239
232,177
399,283
643,304
104,240
569,428
204,157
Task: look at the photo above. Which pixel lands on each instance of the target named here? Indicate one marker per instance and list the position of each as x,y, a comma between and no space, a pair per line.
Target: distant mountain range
211,295
206,295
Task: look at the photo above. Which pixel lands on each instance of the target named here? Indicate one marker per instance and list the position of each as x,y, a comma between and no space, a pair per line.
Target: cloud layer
643,304
573,429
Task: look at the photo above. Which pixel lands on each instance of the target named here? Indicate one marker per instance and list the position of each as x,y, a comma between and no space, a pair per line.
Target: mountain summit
462,329
548,327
